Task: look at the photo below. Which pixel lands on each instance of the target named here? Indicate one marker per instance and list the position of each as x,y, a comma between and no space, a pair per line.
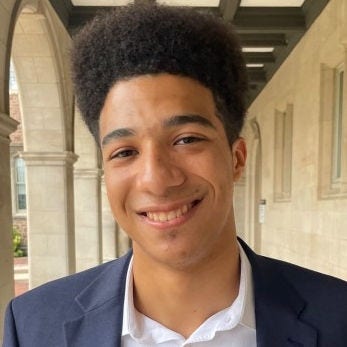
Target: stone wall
306,227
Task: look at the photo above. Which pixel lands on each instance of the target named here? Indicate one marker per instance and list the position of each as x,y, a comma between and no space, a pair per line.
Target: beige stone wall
306,229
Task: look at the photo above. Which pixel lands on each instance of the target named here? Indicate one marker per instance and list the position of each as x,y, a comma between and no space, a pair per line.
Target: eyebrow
187,118
116,134
170,122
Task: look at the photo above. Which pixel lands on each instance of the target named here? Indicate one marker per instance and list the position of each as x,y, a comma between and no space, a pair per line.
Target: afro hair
143,39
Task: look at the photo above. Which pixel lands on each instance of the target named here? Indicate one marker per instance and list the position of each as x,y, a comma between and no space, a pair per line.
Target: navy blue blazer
293,307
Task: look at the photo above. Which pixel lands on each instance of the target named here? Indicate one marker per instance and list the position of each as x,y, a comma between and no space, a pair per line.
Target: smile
166,216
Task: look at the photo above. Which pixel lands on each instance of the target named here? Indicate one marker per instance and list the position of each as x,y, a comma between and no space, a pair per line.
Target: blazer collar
101,308
278,306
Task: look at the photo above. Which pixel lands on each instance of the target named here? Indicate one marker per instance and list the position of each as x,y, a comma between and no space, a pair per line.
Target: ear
239,155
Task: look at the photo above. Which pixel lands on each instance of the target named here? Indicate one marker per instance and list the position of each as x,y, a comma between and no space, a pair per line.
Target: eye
123,154
188,139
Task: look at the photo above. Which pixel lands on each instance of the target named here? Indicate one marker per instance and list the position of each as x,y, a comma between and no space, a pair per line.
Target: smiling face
169,169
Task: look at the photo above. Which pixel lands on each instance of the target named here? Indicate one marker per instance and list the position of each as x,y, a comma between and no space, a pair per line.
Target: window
337,125
20,190
283,154
333,134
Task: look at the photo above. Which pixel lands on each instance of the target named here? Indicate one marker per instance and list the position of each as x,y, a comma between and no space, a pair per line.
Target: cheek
216,167
114,188
120,191
221,178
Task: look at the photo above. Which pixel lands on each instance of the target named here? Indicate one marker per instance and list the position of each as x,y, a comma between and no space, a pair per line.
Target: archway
40,55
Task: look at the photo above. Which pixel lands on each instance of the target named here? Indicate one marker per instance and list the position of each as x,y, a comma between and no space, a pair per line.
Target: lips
166,216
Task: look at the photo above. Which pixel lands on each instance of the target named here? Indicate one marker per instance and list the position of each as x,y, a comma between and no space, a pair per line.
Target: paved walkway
21,275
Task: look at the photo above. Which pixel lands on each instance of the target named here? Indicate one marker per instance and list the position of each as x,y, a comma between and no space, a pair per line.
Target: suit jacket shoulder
57,313
296,306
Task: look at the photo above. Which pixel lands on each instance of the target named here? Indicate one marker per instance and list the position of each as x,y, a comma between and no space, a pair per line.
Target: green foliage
17,239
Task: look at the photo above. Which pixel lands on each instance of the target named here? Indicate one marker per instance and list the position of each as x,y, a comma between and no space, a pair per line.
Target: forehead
150,98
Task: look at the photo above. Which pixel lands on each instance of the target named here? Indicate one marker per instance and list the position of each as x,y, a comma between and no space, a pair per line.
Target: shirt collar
242,307
248,312
128,308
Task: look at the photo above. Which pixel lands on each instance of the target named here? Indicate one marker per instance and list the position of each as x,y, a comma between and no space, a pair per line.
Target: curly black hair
143,39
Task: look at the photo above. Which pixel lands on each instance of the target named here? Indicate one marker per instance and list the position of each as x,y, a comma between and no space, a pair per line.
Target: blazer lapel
278,306
101,307
279,325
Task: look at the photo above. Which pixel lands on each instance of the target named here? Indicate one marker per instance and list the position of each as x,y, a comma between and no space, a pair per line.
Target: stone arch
40,56
41,65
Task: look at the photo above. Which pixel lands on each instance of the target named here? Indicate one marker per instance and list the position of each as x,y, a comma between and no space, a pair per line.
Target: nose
158,171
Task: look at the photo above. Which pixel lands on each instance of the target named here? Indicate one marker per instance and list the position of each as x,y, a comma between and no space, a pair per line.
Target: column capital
7,126
88,173
49,158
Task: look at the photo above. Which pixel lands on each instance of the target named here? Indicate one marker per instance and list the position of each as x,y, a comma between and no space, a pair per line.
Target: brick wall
17,136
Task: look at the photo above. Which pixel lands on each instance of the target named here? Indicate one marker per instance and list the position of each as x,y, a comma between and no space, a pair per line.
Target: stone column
123,241
7,126
109,250
88,218
51,239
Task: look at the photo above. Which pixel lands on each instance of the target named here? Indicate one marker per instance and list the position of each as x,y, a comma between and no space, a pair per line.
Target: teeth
184,209
162,217
171,215
167,216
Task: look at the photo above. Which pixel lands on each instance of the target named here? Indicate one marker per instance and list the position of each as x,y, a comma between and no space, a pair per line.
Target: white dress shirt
233,326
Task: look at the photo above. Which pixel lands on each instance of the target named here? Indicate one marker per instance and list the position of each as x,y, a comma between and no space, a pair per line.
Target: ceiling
268,29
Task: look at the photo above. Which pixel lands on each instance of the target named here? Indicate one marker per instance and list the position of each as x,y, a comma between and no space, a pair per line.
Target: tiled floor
21,276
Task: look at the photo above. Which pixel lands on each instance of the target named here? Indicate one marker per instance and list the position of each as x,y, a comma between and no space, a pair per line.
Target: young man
162,91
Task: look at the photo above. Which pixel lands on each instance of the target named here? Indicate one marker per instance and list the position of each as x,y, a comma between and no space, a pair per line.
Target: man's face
169,169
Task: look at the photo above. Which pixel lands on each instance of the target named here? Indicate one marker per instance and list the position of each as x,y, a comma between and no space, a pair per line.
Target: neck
182,299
